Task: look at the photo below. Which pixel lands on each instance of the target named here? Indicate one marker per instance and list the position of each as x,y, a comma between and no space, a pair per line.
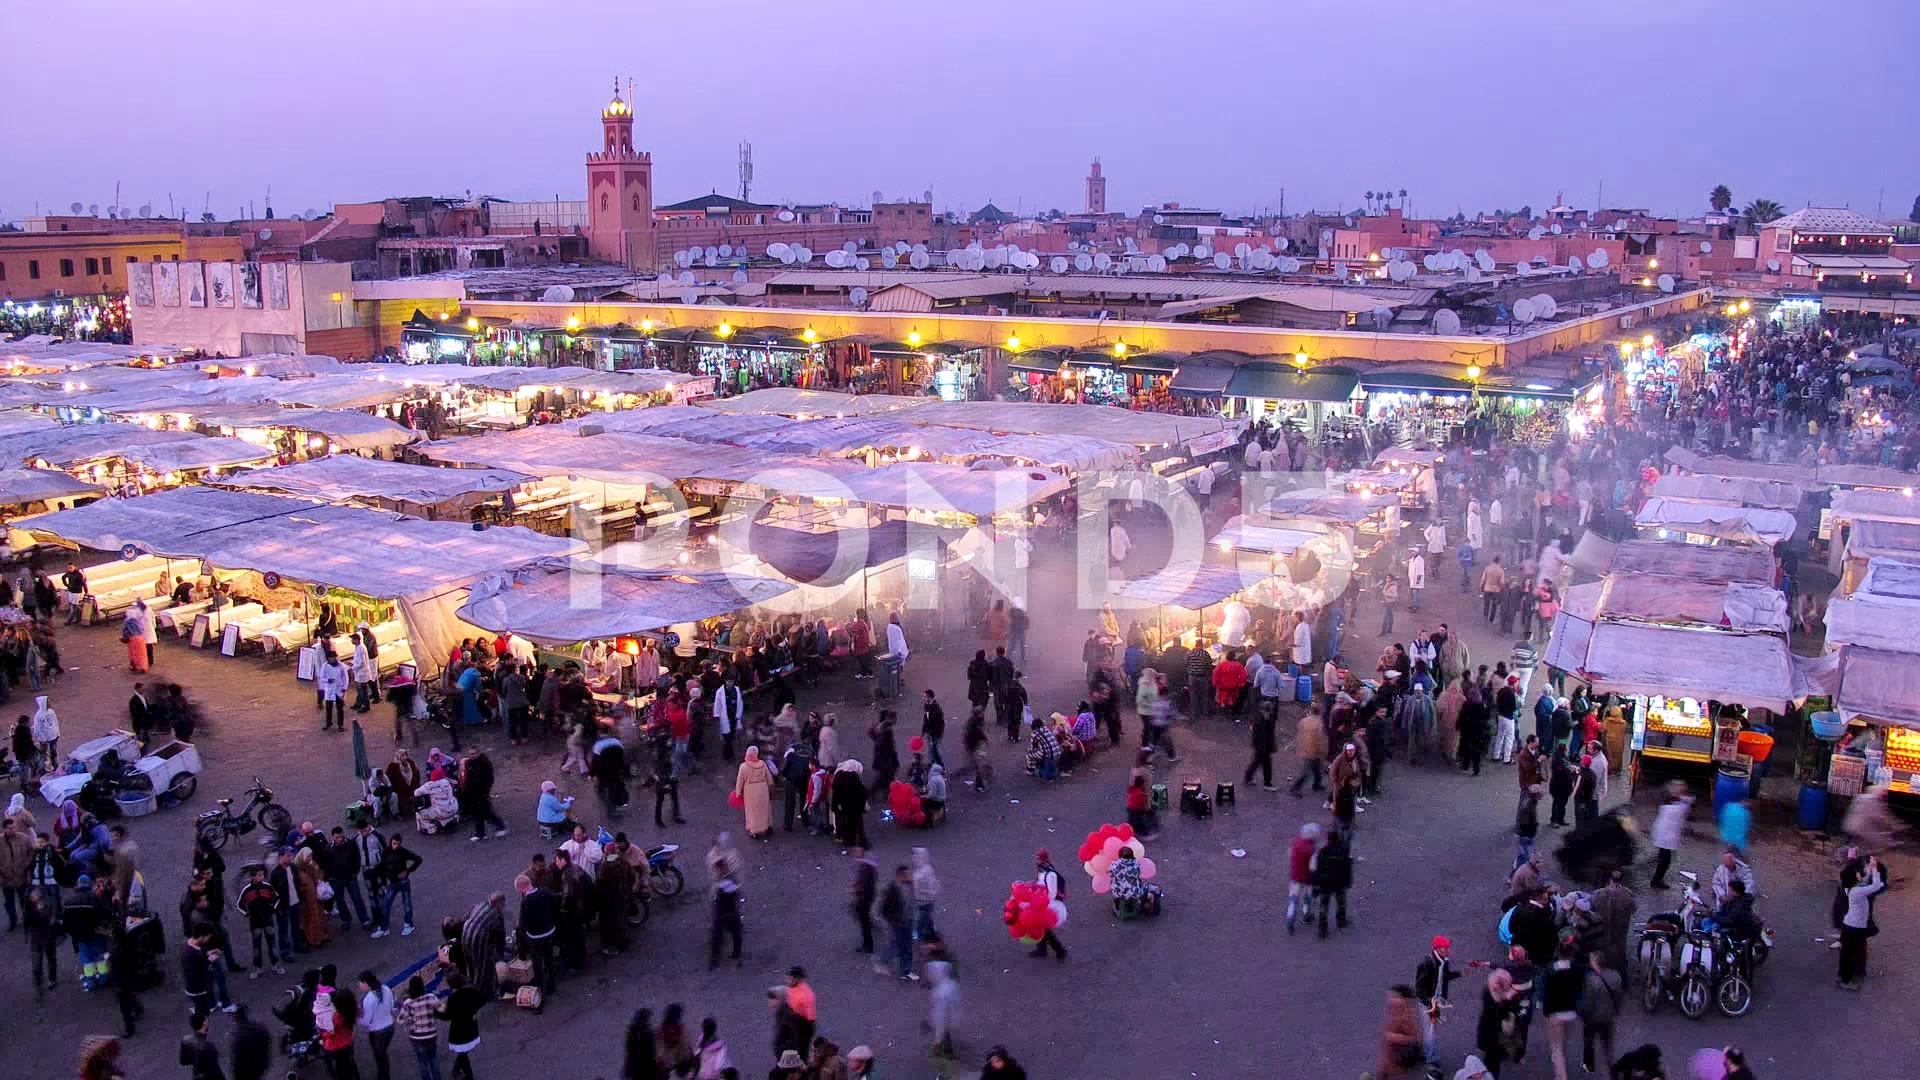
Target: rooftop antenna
746,170
269,201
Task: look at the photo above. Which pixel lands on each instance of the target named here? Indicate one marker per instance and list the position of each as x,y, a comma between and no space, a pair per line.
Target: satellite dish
266,234
901,247
77,207
1536,233
1382,318
1574,264
857,296
711,255
1058,264
1349,221
1706,247
888,259
1641,238
739,277
862,264
1431,262
1399,271
1665,282
686,278
803,253
1222,260
683,259
834,257
1202,251
664,278
778,249
1242,250
146,210
1157,263
312,214
1131,243
1445,322
1102,260
1545,306
1484,259
1263,259
1473,272
919,260
920,248
1773,266
1523,310
992,258
1083,262
785,215
94,209
1522,269
557,294
1159,219
1599,259
850,247
1282,243
1326,236
726,251
689,297
785,257
1556,228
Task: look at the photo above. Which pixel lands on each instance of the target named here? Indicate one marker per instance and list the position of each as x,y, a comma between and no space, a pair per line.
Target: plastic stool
1190,796
1159,796
1203,806
1223,793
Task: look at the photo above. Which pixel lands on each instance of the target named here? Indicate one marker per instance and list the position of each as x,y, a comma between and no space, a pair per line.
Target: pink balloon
1147,869
1102,884
1111,849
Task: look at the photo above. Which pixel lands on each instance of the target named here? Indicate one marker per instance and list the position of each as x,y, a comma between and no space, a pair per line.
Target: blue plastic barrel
1303,688
1729,786
1813,805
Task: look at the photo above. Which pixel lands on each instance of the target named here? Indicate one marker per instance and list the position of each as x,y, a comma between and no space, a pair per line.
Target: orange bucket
1756,745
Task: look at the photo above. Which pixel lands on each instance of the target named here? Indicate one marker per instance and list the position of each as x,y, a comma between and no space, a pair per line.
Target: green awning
1283,383
1160,363
1201,380
951,348
1035,363
1413,380
1091,359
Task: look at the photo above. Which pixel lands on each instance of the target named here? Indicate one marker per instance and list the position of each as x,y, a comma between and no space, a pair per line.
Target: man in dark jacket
395,872
539,923
476,795
198,1053
795,768
866,889
340,861
933,727
1332,876
251,1051
259,900
1000,679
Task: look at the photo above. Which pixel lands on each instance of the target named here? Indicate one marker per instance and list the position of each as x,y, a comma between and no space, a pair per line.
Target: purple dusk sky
1467,103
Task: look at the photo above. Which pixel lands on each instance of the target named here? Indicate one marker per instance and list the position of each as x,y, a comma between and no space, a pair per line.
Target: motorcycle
216,827
1662,941
663,878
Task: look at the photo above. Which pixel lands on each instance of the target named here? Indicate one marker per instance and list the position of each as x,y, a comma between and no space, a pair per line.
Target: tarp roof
67,446
1242,535
830,555
1868,476
1187,585
1100,421
199,453
1407,455
345,428
19,486
345,476
1735,467
1868,539
1878,685
789,401
1873,622
1659,598
372,552
1743,524
560,601
1890,579
1873,504
1730,491
1321,504
1754,670
1694,561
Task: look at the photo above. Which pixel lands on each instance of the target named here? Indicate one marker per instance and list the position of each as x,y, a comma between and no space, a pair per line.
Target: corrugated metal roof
1323,298
865,279
1830,221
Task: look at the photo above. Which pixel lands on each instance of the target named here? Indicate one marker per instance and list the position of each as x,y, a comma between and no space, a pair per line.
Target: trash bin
891,666
1813,805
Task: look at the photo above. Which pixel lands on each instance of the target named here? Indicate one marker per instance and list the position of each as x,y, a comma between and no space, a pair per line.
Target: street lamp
913,338
1300,359
725,330
1013,342
1473,371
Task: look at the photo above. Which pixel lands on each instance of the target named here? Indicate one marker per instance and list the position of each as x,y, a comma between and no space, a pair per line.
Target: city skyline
1475,108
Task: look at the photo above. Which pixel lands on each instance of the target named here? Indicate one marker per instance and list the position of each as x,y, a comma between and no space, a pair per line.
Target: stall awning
1155,363
1281,382
1413,381
1241,535
1187,585
1734,491
1200,380
1694,561
561,601
829,556
1874,623
1754,670
1659,598
21,486
1323,504
349,477
1741,524
1089,358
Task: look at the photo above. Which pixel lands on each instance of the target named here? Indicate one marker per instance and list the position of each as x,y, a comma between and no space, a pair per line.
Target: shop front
1285,395
1150,379
425,340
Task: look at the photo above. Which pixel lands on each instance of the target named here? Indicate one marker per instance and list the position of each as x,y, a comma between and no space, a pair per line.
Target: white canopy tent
1730,491
1143,429
344,429
561,601
21,486
1755,670
1739,524
791,401
1874,504
419,564
1740,469
1658,598
344,476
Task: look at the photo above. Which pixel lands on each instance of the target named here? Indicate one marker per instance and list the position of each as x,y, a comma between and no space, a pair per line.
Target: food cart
1420,466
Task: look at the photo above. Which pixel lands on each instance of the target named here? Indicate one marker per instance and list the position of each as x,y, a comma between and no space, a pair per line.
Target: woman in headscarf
307,878
934,802
19,815
1446,716
403,775
469,684
133,632
829,740
849,798
614,887
753,787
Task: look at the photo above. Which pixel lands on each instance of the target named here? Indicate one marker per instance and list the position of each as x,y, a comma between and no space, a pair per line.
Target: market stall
1870,541
422,490
1185,587
543,600
1665,599
31,491
1730,491
1291,396
1691,690
1708,523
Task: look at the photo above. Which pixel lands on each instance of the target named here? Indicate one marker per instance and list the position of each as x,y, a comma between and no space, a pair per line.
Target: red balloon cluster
905,804
1028,915
1097,839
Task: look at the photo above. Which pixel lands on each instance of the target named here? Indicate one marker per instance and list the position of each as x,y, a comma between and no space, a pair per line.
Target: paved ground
1214,988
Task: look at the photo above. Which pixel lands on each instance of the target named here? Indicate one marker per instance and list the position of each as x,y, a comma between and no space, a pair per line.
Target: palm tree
1720,197
1369,200
1761,211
